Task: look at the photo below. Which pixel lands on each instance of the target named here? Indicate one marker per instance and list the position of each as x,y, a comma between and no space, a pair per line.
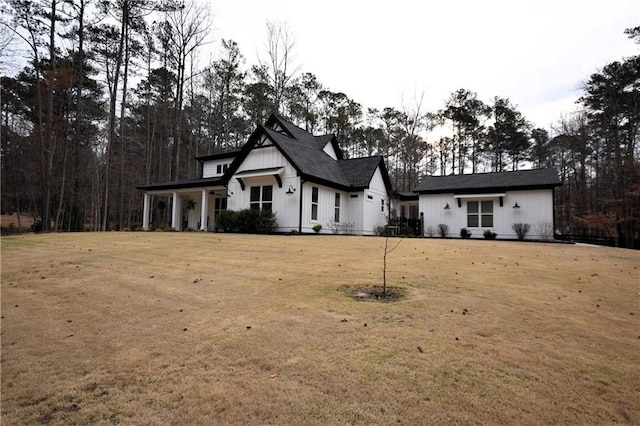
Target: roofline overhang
195,184
463,191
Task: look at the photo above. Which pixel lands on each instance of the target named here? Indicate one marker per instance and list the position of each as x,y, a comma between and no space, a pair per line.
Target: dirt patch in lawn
376,293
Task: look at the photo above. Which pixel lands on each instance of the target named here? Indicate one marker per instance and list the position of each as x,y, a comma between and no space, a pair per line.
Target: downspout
300,213
553,210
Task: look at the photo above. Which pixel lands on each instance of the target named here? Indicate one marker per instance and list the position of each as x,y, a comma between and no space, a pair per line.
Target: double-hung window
261,197
336,214
314,203
479,214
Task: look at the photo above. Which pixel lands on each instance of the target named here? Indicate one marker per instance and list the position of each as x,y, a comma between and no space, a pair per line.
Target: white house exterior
303,178
490,201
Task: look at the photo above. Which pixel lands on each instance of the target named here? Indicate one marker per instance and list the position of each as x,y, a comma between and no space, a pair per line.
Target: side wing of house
490,202
495,212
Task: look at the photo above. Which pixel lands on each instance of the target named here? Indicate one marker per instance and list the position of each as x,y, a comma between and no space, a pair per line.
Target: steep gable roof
490,182
305,152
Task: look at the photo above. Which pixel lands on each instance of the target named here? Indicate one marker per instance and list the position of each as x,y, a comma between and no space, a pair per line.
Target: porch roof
183,184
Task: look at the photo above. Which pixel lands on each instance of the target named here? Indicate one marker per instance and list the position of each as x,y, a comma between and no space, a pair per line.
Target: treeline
116,94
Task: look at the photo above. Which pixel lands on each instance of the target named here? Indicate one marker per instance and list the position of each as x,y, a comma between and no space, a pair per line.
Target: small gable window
336,215
382,205
314,203
261,197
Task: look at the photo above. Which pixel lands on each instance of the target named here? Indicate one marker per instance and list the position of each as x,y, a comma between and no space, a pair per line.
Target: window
382,205
370,197
479,213
221,204
413,212
225,167
353,196
261,197
219,169
314,203
336,215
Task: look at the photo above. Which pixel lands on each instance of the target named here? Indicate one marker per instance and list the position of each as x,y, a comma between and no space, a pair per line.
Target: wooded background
115,94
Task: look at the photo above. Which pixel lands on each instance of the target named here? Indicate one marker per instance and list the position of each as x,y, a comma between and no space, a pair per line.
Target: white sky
381,53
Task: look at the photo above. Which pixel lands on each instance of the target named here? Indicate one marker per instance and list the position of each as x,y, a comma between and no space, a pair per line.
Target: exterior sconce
516,206
290,191
447,207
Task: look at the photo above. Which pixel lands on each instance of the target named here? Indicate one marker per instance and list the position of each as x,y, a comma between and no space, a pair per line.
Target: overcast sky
382,53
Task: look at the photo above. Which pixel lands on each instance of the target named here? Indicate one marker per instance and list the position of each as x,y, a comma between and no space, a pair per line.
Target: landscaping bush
521,229
247,221
545,230
443,230
429,231
266,221
226,221
489,234
317,228
465,233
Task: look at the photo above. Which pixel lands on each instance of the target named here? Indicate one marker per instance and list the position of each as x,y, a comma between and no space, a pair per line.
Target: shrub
465,233
247,221
443,230
266,221
521,229
406,231
317,228
226,221
37,226
489,234
545,230
429,231
188,229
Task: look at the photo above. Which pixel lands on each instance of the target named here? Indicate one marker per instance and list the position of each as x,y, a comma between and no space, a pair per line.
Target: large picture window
261,197
336,215
314,203
479,214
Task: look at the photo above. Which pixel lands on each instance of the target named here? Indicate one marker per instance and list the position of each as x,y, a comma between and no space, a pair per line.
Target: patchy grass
193,328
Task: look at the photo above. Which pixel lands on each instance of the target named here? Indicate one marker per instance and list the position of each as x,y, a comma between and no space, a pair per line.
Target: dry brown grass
152,328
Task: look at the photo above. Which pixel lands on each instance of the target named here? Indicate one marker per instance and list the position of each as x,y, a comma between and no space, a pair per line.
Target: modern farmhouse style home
491,202
303,178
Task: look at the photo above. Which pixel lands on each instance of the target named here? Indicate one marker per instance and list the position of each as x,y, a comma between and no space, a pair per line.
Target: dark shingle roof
521,179
179,184
359,171
305,152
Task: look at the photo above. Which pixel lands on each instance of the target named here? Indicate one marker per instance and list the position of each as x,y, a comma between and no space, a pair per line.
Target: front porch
194,208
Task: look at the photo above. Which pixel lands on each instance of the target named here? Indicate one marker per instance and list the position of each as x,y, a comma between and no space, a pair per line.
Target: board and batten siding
286,207
536,209
210,167
373,216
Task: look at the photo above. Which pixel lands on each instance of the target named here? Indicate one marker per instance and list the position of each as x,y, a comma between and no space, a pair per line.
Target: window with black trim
479,214
336,214
221,204
314,203
261,197
382,205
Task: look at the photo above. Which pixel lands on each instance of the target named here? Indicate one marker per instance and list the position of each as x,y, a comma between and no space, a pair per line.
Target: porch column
145,213
175,213
204,208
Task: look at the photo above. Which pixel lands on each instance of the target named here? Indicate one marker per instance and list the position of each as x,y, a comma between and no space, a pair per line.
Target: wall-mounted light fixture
516,206
447,207
291,190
